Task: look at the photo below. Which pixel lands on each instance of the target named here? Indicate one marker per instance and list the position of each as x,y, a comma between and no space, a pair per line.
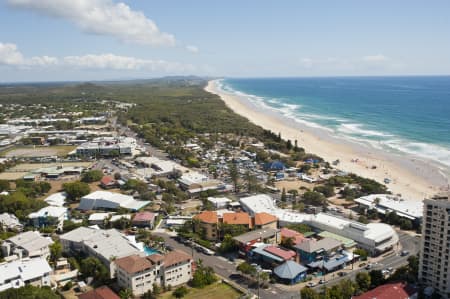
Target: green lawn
37,151
214,291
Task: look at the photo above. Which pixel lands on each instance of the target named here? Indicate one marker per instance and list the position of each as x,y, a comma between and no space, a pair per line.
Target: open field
215,291
38,151
12,176
33,166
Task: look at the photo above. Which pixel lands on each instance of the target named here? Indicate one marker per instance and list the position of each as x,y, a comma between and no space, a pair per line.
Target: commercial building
155,167
290,272
28,244
22,272
219,202
384,203
435,243
139,273
106,245
110,201
246,242
311,250
374,237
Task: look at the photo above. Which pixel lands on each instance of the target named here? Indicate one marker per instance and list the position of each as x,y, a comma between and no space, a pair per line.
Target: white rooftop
31,241
49,211
19,271
56,199
110,200
411,209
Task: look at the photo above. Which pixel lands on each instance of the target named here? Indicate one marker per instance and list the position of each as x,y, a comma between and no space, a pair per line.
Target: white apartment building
19,273
434,269
27,244
139,273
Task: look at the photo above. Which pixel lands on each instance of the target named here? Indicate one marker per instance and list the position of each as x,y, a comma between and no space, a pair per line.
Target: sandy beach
412,178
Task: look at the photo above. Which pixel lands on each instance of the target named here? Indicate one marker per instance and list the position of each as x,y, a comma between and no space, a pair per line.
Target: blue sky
50,40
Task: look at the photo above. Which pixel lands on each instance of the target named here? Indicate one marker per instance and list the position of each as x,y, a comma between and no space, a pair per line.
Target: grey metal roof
256,234
313,246
289,270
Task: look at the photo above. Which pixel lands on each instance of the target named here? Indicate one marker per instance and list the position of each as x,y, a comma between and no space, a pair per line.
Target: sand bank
410,177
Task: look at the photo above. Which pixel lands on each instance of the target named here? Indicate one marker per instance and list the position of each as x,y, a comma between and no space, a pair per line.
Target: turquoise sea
397,114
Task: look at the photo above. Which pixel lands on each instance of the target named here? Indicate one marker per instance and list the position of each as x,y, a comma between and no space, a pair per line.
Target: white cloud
11,56
126,63
102,17
192,49
375,58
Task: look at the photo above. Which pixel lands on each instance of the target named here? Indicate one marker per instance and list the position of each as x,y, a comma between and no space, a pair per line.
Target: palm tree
126,294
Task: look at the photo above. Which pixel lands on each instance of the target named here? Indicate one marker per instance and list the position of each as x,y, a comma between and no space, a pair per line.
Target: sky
81,40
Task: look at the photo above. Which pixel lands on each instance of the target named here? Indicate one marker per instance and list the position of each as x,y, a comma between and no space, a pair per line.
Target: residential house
139,273
28,244
49,216
144,219
10,222
312,250
247,241
264,220
99,293
108,182
296,237
271,255
397,290
206,223
21,272
110,201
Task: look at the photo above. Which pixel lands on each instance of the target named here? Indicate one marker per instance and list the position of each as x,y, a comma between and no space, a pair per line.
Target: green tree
156,289
92,267
126,294
228,244
234,175
363,281
288,243
76,190
148,295
362,253
283,195
92,176
29,292
246,268
203,276
376,278
314,198
4,185
180,292
308,293
252,183
55,251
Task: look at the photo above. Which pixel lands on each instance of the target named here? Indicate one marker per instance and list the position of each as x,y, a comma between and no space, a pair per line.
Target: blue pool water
149,251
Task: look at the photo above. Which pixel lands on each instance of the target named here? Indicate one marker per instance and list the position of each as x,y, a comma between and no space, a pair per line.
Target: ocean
402,115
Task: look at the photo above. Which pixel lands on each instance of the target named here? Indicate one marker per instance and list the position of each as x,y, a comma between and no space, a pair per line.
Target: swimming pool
149,251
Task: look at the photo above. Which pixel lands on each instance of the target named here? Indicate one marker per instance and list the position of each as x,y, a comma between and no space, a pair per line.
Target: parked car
310,284
342,273
404,253
368,267
322,281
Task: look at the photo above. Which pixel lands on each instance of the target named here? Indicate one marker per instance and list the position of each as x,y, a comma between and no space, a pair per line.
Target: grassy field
33,166
38,151
12,176
215,291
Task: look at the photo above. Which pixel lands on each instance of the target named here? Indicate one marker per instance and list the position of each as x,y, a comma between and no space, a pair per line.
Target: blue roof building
290,272
274,166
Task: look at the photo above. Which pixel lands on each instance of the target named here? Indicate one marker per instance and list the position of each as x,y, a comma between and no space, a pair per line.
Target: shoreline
411,177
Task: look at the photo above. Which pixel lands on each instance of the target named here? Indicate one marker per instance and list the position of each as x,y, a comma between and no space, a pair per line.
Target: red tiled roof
133,263
237,218
284,254
388,291
106,180
144,216
174,257
99,293
264,218
207,217
289,233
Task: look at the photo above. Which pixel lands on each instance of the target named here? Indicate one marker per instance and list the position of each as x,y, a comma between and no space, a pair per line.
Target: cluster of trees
92,176
4,185
29,292
19,204
314,198
203,276
366,186
76,190
32,189
393,219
